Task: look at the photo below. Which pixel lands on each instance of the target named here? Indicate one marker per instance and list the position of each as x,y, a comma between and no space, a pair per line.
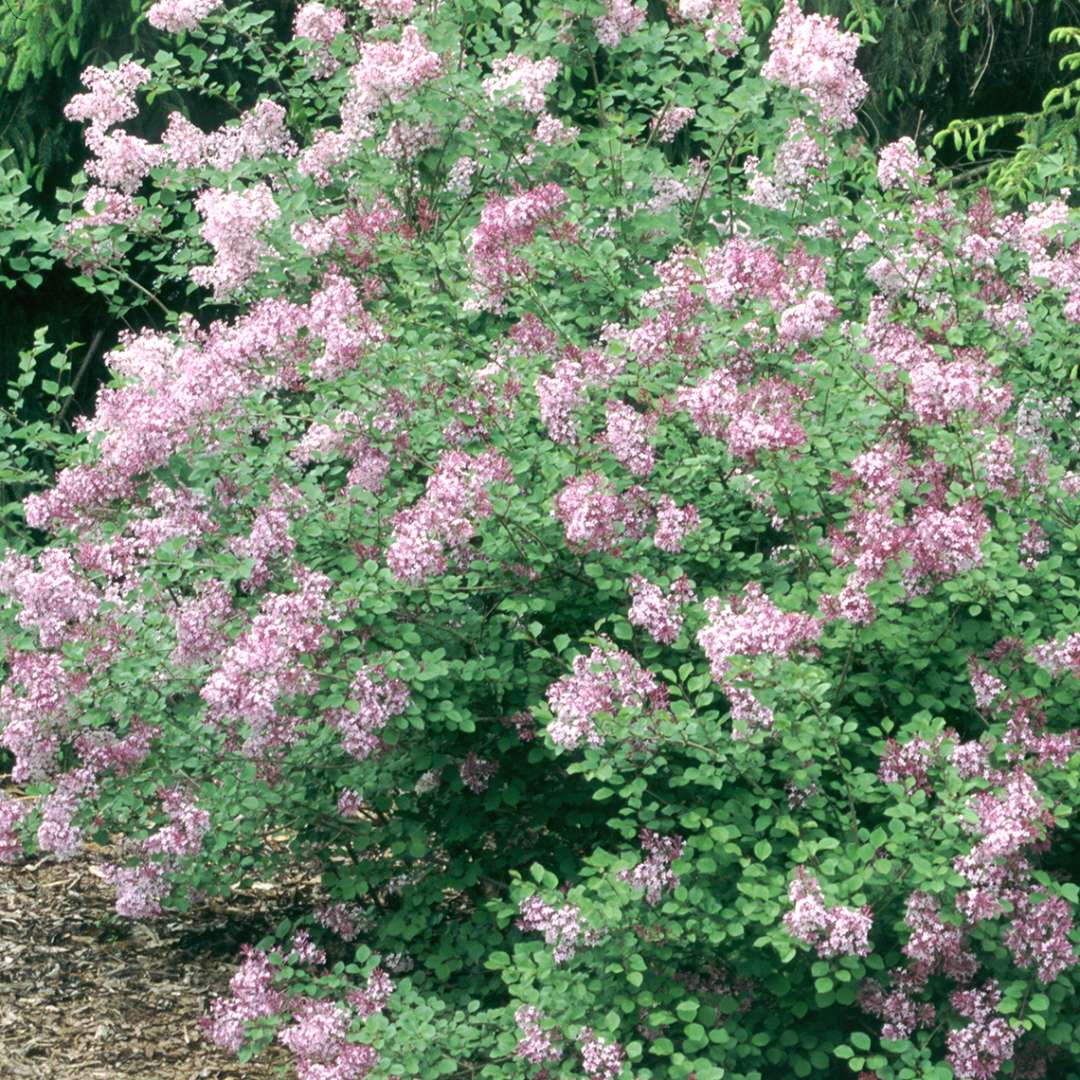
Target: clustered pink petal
835,931
56,832
110,99
476,772
674,523
561,927
759,417
605,682
252,996
659,614
387,73
671,121
898,164
810,53
172,16
1059,657
379,987
259,133
654,875
752,625
349,803
722,19
345,920
519,80
200,625
619,20
505,226
1038,936
536,1045
54,599
231,225
320,25
263,665
378,699
600,1059
318,1031
596,517
628,437
35,709
798,161
444,519
978,1050
900,1012
13,811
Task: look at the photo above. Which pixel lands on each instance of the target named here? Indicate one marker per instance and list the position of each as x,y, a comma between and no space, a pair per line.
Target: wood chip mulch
87,995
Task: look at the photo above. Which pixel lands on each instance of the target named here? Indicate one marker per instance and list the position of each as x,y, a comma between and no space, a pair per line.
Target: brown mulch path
87,995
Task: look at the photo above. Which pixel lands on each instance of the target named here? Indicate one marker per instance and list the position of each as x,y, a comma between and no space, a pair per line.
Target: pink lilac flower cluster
378,700
752,625
937,544
345,920
1059,657
628,437
537,1045
909,763
260,132
56,832
722,20
320,25
760,417
979,1050
604,682
231,224
263,665
898,164
901,1014
54,598
110,97
385,12
386,73
13,812
658,614
141,888
798,161
120,161
173,16
674,523
252,997
654,875
520,81
562,394
317,1037
200,625
561,926
305,951
444,519
1039,935
600,1059
505,226
668,123
835,931
476,772
810,53
620,20
372,998
597,517
36,709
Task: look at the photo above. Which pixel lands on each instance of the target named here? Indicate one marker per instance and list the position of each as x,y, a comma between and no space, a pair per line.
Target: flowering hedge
616,531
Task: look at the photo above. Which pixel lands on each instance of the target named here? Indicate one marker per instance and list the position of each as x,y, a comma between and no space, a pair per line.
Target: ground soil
85,995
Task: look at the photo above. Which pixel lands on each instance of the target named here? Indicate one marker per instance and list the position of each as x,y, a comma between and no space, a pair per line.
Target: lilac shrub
607,526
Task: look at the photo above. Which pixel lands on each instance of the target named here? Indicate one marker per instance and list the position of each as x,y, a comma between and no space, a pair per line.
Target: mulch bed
86,994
